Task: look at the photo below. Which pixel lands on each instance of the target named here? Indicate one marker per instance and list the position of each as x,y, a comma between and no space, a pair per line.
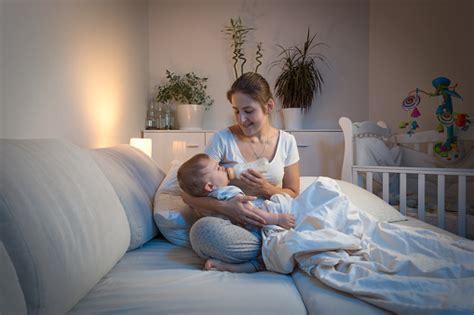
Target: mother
218,240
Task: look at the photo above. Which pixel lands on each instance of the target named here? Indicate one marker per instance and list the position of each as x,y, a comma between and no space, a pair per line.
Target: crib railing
441,173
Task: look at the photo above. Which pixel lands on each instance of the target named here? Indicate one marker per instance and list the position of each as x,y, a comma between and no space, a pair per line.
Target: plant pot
292,118
190,116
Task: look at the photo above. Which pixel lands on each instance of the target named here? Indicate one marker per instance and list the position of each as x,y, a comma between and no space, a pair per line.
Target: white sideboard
321,151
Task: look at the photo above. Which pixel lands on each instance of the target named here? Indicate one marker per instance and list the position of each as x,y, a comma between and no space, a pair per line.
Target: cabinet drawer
167,147
321,153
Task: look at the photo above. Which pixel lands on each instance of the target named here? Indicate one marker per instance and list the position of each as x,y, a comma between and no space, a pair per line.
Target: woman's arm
258,185
238,209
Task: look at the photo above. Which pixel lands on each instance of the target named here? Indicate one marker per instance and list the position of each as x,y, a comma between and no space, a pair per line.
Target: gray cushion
12,300
61,222
135,178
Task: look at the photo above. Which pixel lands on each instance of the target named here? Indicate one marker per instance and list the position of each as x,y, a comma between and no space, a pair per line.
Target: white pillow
362,199
170,185
173,217
370,203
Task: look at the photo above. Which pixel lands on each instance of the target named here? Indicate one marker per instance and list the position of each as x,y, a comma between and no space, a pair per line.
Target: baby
202,176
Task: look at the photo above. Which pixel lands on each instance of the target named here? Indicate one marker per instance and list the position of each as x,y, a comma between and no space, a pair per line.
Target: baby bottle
260,165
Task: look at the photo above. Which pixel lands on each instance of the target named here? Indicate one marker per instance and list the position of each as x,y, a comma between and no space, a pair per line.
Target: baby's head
201,174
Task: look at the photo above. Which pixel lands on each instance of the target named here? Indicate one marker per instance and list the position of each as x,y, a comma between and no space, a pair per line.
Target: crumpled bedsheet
399,268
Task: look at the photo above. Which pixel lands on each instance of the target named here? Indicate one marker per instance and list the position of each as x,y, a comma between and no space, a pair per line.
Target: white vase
190,116
293,118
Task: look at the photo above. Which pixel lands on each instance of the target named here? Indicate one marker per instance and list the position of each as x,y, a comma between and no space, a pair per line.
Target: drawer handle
302,145
192,145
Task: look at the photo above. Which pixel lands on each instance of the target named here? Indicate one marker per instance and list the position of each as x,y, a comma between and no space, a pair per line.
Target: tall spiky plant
300,79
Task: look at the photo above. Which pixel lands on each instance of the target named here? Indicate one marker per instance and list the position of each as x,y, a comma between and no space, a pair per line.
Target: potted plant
300,79
189,94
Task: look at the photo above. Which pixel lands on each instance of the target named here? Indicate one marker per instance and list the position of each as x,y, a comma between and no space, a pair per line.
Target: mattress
162,278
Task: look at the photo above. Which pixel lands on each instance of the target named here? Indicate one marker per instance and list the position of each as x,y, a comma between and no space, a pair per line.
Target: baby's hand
286,221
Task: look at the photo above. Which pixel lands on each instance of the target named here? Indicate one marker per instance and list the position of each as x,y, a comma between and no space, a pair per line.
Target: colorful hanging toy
447,118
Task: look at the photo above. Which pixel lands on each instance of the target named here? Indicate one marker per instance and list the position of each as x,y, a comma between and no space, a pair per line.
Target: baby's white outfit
278,203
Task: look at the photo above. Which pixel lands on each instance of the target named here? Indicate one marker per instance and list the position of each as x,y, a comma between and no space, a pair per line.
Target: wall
84,70
411,43
185,35
75,69
2,105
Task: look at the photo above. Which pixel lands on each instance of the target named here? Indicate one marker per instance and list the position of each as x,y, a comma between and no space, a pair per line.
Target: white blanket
402,269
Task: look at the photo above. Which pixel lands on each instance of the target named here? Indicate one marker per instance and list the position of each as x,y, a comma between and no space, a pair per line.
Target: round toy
446,119
445,114
410,102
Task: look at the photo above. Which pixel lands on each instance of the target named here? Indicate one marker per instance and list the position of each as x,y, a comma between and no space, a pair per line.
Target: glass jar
159,116
168,119
151,122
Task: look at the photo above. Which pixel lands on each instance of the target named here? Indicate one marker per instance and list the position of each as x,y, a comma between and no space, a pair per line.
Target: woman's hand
189,200
241,211
238,209
256,184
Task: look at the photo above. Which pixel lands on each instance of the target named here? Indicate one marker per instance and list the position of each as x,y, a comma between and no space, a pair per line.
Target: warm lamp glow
178,150
143,144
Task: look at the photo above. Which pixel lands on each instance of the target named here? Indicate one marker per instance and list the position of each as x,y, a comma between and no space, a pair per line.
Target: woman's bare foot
215,264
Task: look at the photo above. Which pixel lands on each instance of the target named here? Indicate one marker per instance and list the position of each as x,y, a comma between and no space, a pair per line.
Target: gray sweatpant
218,238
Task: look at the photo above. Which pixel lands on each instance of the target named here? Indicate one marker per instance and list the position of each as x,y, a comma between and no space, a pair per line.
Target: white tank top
223,148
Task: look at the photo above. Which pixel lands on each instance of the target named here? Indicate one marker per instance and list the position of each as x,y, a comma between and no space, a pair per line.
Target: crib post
369,183
441,192
421,197
462,205
346,126
403,193
355,178
385,189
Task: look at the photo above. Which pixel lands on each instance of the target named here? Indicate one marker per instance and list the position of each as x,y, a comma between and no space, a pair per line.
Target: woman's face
248,113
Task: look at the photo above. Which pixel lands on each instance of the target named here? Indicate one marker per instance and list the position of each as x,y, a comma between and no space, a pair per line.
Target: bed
404,171
84,240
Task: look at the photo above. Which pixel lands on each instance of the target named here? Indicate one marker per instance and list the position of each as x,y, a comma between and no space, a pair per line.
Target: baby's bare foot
212,264
218,265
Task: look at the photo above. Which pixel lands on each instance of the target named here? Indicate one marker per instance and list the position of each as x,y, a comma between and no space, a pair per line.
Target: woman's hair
191,175
253,85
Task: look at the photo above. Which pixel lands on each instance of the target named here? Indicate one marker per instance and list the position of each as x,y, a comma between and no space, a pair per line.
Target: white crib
422,142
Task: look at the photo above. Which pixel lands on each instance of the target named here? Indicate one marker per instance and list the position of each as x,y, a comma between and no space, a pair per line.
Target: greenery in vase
187,89
237,32
300,79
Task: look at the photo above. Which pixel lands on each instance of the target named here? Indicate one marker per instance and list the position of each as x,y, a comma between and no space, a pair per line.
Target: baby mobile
447,118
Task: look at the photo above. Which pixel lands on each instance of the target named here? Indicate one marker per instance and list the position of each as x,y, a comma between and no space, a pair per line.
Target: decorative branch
237,33
258,56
